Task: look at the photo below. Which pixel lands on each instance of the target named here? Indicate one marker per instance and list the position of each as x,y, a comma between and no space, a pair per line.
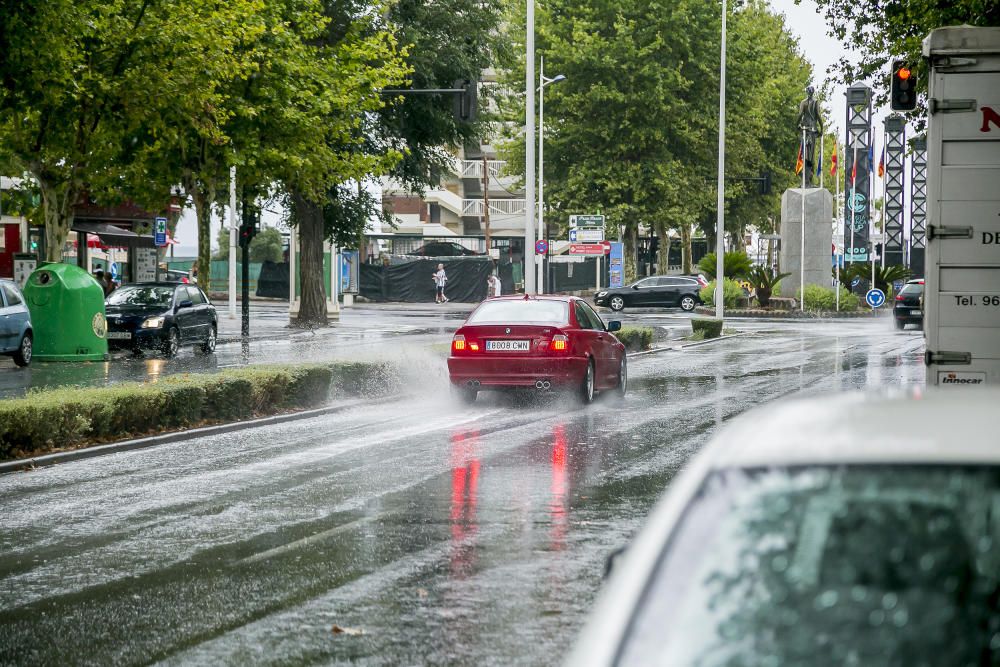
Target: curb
797,314
697,343
23,465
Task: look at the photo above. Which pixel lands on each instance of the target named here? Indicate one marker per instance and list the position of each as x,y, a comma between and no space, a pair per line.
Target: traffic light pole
245,329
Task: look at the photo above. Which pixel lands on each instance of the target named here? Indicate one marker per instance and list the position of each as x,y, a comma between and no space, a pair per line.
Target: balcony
498,207
474,168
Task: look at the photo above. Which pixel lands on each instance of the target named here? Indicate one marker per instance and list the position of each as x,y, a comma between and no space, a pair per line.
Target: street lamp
529,152
542,82
720,227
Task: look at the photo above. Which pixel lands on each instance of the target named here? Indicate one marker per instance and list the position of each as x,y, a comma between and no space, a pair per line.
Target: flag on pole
854,169
833,161
799,164
819,163
881,164
871,157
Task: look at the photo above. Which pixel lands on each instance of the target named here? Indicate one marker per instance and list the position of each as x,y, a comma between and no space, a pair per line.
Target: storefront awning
114,236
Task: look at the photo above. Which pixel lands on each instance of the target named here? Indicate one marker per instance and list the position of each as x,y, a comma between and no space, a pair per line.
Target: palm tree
763,282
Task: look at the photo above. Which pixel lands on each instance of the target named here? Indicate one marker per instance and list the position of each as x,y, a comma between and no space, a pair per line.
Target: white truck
962,275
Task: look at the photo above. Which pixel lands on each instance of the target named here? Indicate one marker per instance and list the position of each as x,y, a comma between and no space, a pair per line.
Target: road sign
586,235
114,270
855,282
542,247
875,297
160,234
593,221
586,248
616,276
607,247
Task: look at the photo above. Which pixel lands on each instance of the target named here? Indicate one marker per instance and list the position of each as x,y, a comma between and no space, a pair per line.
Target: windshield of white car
141,296
521,312
828,566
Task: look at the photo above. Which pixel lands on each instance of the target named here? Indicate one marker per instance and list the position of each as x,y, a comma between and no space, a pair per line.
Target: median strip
63,419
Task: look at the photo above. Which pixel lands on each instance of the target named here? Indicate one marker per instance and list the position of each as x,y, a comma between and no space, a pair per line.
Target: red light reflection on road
464,488
559,489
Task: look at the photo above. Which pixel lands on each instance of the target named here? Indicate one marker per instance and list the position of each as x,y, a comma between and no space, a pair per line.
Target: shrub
731,293
635,339
68,416
708,327
824,299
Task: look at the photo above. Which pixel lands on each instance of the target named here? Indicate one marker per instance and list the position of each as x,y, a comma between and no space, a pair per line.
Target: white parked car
848,530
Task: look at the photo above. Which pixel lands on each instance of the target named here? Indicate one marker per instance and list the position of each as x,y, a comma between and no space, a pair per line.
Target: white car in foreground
849,530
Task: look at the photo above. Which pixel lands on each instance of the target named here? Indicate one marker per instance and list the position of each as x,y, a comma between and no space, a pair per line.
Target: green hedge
731,293
69,417
709,327
635,339
824,299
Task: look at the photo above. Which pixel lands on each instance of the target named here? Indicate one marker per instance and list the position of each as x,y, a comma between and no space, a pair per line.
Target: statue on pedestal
811,123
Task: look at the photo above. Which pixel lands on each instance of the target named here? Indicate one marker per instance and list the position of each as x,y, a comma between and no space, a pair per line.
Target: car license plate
119,335
507,345
915,312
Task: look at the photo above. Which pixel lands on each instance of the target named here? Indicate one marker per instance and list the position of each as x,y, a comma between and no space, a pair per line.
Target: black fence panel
273,280
413,282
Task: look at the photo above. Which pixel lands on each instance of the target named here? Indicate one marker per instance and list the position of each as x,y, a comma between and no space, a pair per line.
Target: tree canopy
877,32
632,131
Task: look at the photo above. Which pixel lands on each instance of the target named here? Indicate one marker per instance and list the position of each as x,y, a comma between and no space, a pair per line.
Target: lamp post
542,82
720,227
529,153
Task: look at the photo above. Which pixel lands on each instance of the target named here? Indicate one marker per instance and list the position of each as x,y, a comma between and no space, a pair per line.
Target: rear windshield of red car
521,312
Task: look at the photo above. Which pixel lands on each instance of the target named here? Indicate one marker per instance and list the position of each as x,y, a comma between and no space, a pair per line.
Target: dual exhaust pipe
540,385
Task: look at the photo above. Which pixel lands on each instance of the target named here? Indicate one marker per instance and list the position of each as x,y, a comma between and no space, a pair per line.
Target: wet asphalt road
442,534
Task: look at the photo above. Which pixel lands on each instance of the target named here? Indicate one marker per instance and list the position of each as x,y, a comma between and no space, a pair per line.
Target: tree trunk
663,252
686,249
631,247
309,218
203,198
57,206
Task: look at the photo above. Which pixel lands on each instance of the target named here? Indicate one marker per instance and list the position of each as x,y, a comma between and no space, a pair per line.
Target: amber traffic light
903,94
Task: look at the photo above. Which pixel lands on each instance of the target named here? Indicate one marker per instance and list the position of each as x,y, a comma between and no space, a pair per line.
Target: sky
803,20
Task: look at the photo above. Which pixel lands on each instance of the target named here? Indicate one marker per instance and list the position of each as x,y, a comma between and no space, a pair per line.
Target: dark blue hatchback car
15,324
161,316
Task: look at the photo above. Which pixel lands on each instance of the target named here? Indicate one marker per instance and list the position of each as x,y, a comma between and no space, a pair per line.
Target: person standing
493,286
440,280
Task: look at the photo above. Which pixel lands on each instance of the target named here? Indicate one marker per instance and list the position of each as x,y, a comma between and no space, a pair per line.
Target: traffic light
249,224
467,102
903,90
764,183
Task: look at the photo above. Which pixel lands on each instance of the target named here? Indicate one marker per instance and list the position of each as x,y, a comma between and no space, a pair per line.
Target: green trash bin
67,314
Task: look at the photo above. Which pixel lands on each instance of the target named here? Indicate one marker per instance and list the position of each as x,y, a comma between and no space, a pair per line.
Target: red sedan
540,342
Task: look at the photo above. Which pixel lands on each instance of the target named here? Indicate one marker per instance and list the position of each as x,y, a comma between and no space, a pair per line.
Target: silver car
851,530
15,324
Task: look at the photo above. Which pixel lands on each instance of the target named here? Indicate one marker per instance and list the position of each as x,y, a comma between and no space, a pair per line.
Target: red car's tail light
473,346
560,343
458,343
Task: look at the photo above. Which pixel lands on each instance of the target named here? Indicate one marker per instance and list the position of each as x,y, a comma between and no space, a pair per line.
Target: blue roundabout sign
875,297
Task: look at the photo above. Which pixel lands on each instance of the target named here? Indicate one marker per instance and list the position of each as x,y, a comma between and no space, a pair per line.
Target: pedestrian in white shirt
440,279
493,286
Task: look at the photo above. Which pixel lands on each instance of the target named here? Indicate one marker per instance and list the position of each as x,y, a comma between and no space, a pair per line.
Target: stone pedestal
818,255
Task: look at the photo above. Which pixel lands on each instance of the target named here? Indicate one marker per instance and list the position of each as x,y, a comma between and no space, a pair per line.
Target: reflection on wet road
445,535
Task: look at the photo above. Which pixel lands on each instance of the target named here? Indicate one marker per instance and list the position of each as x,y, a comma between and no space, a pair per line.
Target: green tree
412,138
877,32
632,131
81,81
267,246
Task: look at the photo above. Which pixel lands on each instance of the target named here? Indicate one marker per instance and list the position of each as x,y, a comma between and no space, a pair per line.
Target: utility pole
486,202
232,243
